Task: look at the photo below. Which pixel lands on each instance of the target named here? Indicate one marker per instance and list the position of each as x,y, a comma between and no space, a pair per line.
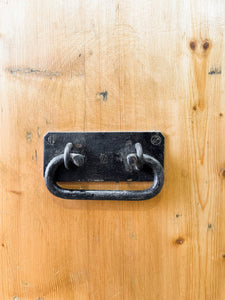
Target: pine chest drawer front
119,105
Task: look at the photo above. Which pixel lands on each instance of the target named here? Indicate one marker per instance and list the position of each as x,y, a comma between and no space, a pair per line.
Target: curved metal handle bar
151,192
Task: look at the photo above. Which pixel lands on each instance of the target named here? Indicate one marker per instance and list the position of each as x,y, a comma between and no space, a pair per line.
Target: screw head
51,139
156,139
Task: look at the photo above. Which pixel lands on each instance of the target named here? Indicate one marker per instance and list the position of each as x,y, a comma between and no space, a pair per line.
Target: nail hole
179,241
222,172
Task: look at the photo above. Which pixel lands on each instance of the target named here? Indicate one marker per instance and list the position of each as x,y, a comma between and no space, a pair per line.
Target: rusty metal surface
103,156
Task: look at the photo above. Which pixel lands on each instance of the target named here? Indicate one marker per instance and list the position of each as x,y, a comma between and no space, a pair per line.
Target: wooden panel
113,65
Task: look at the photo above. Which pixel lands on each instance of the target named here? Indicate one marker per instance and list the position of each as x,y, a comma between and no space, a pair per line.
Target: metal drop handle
136,161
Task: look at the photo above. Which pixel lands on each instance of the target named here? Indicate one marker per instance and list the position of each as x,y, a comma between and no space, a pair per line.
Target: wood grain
162,65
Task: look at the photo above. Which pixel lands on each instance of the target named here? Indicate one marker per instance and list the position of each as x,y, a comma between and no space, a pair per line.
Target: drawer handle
135,160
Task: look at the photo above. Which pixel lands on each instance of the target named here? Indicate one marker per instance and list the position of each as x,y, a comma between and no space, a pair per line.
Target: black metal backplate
105,154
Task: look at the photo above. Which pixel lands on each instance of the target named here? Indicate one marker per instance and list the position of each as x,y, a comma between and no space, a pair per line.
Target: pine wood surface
113,66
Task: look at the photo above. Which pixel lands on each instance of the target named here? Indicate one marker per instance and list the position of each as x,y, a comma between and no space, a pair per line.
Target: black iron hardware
104,156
